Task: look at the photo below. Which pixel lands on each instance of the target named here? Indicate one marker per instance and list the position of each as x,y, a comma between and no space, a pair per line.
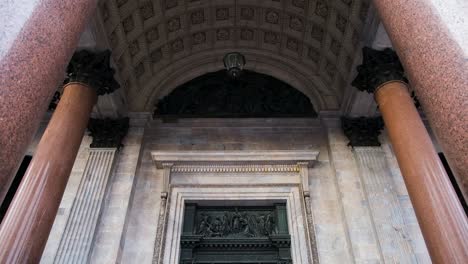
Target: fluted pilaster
387,213
76,242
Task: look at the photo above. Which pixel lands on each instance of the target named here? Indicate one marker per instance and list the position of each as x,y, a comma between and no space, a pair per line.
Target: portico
162,52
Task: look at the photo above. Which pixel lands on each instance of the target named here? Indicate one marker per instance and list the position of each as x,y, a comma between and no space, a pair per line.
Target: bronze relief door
235,234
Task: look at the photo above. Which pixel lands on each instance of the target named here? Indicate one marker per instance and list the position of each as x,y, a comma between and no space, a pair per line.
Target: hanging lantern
234,63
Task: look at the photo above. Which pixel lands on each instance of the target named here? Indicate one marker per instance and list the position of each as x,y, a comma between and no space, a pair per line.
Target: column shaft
438,70
38,39
440,215
27,224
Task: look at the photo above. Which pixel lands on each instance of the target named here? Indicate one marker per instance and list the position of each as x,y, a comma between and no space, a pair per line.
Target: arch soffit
314,41
196,65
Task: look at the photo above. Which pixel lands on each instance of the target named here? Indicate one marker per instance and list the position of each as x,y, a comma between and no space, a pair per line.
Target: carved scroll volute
167,167
304,174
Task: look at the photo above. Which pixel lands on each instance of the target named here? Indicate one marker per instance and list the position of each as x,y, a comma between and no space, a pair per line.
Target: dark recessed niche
252,95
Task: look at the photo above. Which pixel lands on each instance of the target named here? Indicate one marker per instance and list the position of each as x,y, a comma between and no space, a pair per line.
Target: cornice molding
235,161
236,168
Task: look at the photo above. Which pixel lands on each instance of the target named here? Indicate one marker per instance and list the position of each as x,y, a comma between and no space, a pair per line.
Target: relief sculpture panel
236,224
235,235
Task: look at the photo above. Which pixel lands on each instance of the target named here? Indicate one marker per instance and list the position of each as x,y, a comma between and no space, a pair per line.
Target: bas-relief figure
235,235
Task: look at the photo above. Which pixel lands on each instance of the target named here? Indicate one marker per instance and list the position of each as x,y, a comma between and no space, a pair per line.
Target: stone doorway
244,180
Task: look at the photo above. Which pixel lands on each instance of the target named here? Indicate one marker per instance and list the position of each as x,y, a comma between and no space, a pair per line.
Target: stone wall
207,134
360,231
344,222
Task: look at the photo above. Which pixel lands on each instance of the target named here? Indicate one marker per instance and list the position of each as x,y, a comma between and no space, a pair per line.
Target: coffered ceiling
160,44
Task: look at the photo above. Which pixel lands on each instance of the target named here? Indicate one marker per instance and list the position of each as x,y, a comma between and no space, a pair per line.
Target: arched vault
161,44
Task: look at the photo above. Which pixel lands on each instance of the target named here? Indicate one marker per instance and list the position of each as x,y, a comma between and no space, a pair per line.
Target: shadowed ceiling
161,44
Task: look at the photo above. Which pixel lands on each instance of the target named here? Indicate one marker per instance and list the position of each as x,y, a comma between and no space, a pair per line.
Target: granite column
437,67
439,212
38,39
26,226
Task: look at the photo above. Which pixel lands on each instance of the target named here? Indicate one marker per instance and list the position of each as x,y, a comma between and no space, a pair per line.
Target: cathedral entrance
238,207
235,234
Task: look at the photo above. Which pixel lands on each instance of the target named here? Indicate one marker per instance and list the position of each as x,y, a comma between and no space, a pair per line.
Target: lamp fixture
234,63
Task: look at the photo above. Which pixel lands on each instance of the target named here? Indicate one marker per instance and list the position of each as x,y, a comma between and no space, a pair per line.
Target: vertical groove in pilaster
75,244
69,227
96,190
97,207
82,210
386,210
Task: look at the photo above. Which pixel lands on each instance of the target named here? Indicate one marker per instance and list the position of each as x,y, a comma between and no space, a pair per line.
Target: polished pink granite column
28,221
438,70
440,215
37,41
26,226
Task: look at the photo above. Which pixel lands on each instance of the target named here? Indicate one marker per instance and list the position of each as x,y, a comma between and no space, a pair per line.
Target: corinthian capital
92,69
362,131
377,68
108,133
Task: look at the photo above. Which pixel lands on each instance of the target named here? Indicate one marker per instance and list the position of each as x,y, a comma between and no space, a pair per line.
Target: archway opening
252,95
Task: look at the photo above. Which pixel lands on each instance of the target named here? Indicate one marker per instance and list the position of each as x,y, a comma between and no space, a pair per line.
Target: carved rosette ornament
377,68
92,69
108,133
362,131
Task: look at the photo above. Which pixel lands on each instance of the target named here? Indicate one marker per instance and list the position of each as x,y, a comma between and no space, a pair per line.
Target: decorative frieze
211,159
235,168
